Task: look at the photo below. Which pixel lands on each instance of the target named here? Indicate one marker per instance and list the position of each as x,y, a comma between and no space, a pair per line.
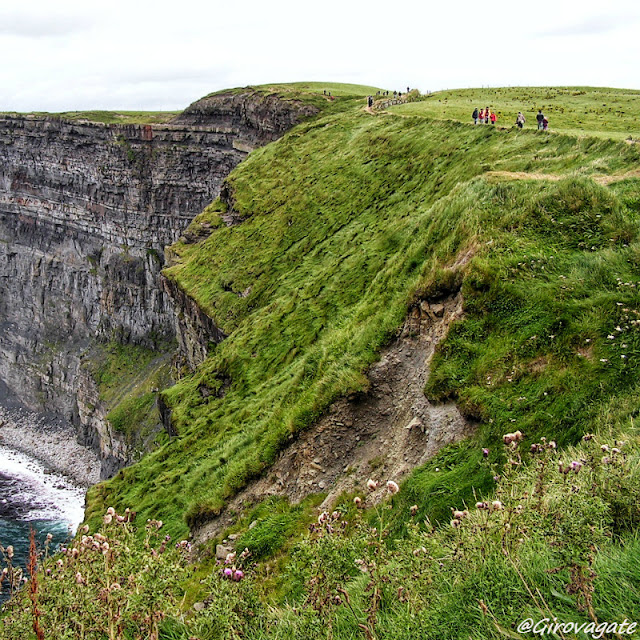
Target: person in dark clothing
370,101
540,118
474,115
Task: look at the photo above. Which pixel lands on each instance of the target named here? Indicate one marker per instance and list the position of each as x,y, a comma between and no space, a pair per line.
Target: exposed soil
381,434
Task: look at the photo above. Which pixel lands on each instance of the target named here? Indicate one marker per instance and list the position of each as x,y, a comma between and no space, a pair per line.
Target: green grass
603,112
348,219
109,117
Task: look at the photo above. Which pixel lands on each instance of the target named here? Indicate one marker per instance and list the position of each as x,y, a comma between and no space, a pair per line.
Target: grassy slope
348,218
602,112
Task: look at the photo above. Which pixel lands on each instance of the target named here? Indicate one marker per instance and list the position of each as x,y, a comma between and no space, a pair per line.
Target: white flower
392,487
372,485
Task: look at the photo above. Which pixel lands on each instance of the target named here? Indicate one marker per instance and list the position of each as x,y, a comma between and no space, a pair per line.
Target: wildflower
507,438
238,575
610,337
458,515
518,436
85,528
552,444
576,465
10,551
49,537
79,578
107,519
230,559
606,460
455,523
357,501
413,509
228,572
604,447
111,511
496,505
392,487
588,436
323,517
335,515
496,478
105,548
75,552
481,505
615,450
372,485
485,453
114,587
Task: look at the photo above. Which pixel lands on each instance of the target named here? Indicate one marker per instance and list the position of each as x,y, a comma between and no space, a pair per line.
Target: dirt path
523,175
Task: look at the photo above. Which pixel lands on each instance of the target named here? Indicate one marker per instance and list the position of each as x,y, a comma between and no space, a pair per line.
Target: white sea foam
48,495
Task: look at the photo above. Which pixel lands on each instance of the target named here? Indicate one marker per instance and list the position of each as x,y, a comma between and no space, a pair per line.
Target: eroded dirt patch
382,434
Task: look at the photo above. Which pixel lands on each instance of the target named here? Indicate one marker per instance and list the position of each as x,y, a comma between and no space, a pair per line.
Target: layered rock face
85,212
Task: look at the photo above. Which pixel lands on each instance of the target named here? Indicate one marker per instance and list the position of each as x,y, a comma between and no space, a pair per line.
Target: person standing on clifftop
540,118
474,115
520,120
493,117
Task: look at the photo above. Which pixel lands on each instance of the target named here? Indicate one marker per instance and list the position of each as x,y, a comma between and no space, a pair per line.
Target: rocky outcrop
260,116
86,210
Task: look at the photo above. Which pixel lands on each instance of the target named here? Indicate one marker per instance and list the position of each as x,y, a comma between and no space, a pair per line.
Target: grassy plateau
346,221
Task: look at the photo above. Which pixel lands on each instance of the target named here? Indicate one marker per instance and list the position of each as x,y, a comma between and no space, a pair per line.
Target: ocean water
33,497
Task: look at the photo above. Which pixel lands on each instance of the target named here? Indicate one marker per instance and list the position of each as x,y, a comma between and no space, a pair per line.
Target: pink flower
238,575
357,501
372,485
228,572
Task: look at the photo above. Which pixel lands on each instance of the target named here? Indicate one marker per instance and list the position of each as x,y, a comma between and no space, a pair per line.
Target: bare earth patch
382,434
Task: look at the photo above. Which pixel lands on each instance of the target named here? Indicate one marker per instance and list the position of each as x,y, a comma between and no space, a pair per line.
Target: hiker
486,115
474,115
493,117
370,101
481,116
540,118
545,124
520,120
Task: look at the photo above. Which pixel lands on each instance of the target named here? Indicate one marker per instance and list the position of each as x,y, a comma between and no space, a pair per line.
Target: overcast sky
74,54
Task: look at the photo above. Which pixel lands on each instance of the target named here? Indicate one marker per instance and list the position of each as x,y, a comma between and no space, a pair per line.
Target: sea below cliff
43,479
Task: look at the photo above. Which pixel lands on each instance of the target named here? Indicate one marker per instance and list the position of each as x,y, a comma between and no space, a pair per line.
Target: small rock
253,524
199,606
223,551
416,422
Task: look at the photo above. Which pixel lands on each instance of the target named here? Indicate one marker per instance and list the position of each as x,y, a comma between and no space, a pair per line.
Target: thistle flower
604,447
230,559
481,505
392,487
496,505
107,519
485,453
111,511
79,578
228,572
576,465
85,528
372,485
357,501
238,575
455,523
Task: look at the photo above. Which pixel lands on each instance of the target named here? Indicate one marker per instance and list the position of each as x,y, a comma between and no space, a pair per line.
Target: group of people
543,121
484,116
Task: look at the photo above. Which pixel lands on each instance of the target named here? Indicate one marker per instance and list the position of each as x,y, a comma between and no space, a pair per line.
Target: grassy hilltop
347,221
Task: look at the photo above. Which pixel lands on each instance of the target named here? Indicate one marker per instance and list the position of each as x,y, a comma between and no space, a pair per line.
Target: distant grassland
109,117
603,112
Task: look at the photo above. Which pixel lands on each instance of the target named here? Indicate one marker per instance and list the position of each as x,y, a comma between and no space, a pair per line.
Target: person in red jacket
481,116
493,117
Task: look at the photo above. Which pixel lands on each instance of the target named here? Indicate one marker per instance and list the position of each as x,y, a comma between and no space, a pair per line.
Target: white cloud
153,55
